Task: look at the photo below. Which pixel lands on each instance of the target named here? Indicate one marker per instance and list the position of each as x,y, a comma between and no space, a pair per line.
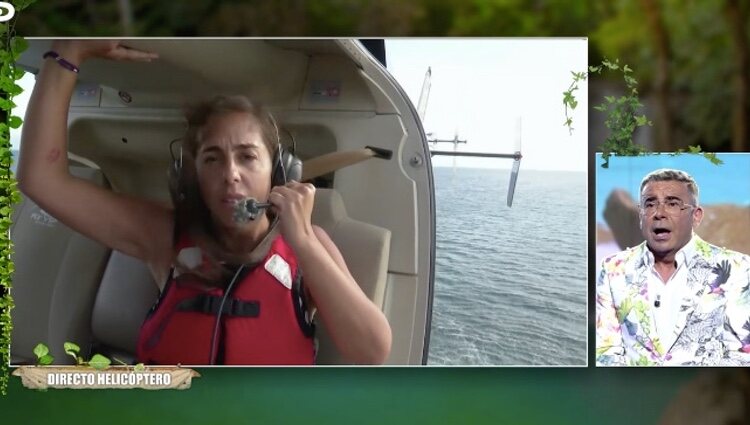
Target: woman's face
232,163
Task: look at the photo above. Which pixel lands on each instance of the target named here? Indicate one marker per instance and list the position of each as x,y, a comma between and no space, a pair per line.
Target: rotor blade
455,149
425,95
514,178
516,164
516,155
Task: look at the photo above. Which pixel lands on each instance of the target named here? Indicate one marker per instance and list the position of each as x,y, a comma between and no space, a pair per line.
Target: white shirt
668,295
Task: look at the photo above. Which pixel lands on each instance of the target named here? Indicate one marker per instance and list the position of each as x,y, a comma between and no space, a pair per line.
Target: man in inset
674,299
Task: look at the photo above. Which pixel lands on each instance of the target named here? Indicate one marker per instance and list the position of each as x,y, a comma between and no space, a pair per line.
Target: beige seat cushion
57,273
125,296
365,249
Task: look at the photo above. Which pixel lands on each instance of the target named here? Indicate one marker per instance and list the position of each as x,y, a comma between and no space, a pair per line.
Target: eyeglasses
671,206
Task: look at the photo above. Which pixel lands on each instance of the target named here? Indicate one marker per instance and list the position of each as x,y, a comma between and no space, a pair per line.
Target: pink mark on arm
53,155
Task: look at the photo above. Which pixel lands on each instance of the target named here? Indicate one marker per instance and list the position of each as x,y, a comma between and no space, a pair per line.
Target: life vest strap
301,309
209,304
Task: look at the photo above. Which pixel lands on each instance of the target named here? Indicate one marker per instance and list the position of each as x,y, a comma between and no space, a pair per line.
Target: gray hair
668,174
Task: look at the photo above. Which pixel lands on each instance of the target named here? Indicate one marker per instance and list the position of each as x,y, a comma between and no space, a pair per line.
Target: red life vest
263,319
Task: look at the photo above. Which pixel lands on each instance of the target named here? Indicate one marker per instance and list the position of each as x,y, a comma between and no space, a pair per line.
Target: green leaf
41,350
7,104
45,360
14,121
18,73
140,367
613,66
15,90
18,45
71,349
22,4
99,362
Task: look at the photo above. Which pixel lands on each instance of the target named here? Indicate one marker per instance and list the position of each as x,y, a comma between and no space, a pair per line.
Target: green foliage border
11,47
621,116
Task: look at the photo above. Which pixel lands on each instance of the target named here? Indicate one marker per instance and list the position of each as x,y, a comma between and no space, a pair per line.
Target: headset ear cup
286,167
277,178
293,167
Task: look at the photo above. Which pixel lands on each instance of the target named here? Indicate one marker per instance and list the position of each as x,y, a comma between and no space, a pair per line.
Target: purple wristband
60,60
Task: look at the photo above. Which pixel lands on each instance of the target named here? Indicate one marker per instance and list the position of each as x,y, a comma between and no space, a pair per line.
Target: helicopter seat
57,273
366,250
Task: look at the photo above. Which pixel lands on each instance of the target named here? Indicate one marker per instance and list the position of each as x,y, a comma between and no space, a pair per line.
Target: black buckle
300,307
209,304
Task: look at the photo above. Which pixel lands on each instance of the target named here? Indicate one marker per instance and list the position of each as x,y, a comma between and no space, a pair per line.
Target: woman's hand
293,203
77,51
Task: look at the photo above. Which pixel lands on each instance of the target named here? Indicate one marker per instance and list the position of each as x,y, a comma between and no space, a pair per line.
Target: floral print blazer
714,317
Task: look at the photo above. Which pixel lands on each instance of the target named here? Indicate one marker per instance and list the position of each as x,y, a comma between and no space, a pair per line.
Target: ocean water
510,285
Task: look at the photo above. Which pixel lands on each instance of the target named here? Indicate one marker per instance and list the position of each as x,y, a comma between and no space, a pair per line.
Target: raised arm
134,226
357,327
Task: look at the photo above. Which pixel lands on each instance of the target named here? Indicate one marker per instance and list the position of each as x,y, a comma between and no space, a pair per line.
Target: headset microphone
248,209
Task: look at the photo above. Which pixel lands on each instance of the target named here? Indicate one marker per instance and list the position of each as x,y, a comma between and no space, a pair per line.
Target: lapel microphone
657,303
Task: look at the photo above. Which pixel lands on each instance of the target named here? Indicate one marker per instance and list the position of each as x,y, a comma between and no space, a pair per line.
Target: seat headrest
125,296
329,207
